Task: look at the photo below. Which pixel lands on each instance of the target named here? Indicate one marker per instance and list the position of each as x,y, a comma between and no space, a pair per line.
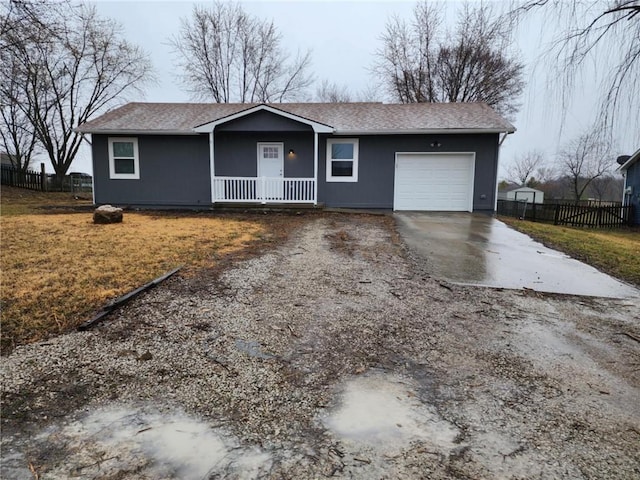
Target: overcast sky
343,37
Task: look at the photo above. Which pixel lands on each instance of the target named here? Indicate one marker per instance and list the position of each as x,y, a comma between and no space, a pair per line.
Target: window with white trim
342,160
124,161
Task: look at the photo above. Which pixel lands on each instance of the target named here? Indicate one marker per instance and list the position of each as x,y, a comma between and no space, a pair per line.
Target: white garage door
434,181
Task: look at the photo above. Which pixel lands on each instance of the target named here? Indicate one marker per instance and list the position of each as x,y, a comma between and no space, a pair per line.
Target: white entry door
270,171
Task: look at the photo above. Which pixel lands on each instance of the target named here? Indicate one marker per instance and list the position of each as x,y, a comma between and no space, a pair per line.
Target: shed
531,195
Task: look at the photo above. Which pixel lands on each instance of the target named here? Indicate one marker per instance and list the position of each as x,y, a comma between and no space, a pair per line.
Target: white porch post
315,167
212,166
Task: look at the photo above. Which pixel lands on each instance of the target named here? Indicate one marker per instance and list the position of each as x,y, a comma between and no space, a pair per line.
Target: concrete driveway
476,249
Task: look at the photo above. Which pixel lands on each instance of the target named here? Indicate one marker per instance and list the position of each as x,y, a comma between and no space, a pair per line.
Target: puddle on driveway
383,412
253,349
120,441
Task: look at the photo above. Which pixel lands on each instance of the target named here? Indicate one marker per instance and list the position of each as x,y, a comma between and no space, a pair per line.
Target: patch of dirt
270,359
341,241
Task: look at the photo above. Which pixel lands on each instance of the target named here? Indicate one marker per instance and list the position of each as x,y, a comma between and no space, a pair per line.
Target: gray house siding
236,154
174,171
633,180
376,170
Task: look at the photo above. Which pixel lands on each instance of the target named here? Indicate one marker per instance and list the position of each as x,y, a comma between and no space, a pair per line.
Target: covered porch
264,155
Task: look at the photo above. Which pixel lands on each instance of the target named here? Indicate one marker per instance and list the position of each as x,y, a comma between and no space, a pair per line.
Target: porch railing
263,190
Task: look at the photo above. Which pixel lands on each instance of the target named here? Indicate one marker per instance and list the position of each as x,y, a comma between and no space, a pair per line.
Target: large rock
107,214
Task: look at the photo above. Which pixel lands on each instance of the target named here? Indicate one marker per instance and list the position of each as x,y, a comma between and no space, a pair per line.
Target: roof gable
263,121
210,126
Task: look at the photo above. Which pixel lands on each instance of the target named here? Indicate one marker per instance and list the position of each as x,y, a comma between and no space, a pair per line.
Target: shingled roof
344,118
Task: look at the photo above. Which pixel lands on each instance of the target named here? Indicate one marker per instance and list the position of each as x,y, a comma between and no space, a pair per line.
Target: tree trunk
59,182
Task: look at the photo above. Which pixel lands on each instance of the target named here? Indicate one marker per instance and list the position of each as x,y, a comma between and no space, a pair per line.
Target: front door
270,171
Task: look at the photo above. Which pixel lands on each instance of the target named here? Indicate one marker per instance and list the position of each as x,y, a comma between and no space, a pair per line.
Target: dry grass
613,251
18,201
58,268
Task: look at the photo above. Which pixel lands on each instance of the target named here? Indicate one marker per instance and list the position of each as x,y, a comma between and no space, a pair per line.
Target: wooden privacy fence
30,179
568,213
75,183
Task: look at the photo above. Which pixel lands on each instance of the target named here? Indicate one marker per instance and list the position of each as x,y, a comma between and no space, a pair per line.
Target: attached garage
434,181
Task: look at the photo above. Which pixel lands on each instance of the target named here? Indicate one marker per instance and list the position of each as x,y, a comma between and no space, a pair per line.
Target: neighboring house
630,169
531,195
429,156
5,159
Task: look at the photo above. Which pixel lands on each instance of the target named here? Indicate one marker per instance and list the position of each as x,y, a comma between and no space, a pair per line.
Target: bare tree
607,187
18,137
605,33
21,23
406,62
25,19
419,62
369,94
77,68
16,131
583,160
227,55
524,166
332,93
546,173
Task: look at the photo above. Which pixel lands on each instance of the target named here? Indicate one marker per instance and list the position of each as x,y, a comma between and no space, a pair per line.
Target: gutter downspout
625,198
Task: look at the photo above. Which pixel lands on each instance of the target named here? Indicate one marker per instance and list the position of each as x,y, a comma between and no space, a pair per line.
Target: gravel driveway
332,355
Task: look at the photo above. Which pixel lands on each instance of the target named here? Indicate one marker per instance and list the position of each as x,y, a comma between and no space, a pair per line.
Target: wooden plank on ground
108,308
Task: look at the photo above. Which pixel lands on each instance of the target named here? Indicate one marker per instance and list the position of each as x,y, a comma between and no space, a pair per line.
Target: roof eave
426,131
201,129
632,159
98,131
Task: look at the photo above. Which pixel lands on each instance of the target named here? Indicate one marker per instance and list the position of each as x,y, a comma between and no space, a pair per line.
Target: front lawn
20,201
615,251
58,268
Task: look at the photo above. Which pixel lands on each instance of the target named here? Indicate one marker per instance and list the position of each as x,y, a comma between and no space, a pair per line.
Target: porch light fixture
436,144
291,152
